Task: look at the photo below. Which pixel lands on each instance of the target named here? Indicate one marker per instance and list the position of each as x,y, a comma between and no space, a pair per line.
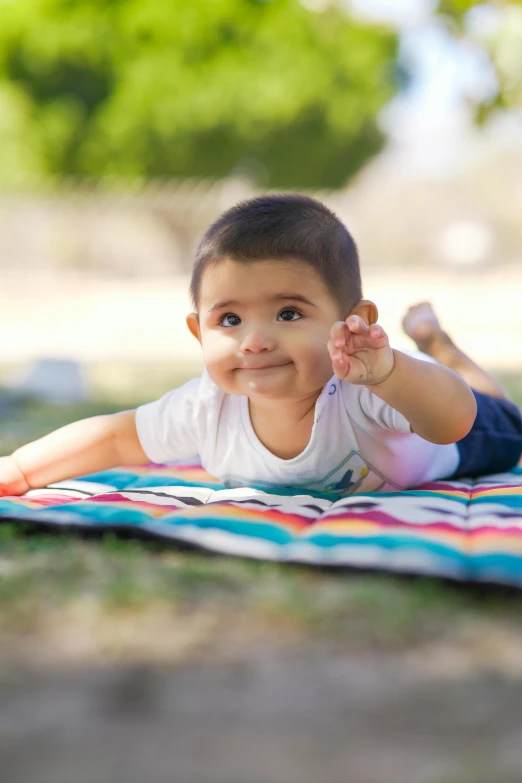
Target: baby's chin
277,383
256,385
264,389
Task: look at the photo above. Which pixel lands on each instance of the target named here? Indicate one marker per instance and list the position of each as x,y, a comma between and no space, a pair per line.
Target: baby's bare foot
421,324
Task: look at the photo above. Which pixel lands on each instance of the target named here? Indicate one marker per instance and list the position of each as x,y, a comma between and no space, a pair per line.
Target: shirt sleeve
167,428
366,408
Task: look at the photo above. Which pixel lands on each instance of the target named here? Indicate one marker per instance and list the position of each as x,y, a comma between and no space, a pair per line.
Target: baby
301,387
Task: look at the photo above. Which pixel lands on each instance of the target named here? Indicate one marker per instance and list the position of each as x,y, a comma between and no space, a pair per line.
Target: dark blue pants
494,443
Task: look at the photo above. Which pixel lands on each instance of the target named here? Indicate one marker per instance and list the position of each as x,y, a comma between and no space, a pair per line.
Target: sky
430,123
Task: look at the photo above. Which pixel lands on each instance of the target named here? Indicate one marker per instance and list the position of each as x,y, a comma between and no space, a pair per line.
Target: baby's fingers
375,330
334,351
340,360
338,334
356,325
378,335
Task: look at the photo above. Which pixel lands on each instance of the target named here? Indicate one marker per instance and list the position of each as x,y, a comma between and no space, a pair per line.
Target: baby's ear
367,310
193,325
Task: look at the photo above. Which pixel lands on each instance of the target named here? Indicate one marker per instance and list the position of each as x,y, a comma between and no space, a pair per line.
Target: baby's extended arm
436,401
85,446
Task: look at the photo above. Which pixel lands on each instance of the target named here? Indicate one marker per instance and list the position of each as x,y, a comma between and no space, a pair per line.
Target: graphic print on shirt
356,472
352,474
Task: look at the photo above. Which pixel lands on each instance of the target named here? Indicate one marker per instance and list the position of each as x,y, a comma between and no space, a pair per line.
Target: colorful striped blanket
467,530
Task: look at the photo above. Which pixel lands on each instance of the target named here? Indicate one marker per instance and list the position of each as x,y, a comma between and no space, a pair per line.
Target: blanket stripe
467,530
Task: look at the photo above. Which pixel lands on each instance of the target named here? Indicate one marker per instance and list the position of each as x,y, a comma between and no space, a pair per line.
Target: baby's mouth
268,366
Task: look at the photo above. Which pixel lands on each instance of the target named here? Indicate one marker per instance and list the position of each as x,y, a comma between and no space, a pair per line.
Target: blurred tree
286,91
500,37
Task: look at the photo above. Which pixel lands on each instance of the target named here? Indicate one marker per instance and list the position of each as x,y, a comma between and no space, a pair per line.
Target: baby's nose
257,340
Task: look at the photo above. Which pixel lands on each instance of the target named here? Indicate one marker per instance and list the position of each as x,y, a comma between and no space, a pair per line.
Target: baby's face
264,328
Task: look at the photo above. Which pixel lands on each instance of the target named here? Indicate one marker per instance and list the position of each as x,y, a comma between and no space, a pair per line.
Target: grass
84,597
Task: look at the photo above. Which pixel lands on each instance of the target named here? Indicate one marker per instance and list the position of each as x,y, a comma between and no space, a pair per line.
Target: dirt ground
281,717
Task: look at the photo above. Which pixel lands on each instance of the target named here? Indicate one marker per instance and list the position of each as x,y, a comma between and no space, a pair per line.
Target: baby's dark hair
284,226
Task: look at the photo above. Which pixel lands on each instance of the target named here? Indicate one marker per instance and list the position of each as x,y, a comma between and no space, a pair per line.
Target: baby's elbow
444,439
470,414
453,437
464,422
458,426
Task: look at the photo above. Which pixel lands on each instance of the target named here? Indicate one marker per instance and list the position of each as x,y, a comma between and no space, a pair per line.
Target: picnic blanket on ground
468,530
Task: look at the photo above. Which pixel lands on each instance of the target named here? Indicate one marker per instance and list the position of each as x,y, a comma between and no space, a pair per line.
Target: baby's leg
422,325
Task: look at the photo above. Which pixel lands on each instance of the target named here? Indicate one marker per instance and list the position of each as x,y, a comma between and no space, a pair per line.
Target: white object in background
59,381
466,243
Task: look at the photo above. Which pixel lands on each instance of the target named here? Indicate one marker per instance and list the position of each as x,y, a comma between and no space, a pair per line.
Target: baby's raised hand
360,354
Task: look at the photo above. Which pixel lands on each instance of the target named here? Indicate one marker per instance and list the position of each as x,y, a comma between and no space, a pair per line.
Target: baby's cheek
217,349
220,360
317,358
222,376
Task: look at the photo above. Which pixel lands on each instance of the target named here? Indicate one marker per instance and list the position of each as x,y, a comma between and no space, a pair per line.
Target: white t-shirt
358,443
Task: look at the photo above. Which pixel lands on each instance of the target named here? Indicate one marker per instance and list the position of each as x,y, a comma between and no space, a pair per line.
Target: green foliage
502,44
131,89
456,8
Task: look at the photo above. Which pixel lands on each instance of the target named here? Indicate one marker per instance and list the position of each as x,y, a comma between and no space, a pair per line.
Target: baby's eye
229,320
292,312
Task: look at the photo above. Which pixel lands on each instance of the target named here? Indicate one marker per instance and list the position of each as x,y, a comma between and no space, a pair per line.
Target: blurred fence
150,232
471,221
102,275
